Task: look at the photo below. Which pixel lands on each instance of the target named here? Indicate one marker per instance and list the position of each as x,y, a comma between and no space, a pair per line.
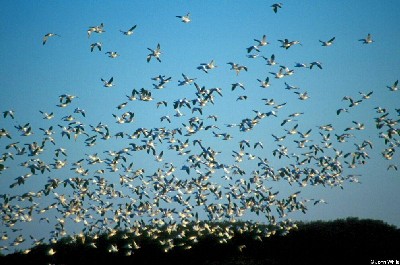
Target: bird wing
264,38
133,28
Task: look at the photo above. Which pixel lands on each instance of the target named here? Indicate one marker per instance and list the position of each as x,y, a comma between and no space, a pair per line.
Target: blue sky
35,75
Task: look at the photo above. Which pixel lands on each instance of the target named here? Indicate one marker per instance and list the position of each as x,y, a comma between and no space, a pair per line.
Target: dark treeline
343,241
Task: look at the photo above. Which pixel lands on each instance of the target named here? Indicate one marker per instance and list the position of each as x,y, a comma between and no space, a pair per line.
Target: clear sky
35,75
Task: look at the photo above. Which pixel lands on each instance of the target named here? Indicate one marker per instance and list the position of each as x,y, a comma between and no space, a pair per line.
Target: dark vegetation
343,241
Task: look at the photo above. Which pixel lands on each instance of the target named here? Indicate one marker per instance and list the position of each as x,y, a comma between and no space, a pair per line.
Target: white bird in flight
129,32
367,40
270,61
186,80
108,83
112,54
207,66
300,65
97,29
265,83
47,36
327,43
185,19
394,86
302,96
94,45
263,41
318,64
154,53
287,44
237,67
279,74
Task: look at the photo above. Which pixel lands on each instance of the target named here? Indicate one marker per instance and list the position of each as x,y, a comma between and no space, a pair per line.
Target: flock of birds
108,191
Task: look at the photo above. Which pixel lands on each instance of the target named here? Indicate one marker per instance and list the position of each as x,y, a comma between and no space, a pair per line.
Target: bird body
270,61
96,29
234,86
318,64
95,45
276,6
265,83
251,48
47,116
262,42
108,83
367,40
279,74
185,18
243,97
237,67
154,53
47,36
366,95
287,44
300,65
51,252
112,54
302,96
327,43
394,86
129,31
341,110
10,113
186,80
207,66
290,87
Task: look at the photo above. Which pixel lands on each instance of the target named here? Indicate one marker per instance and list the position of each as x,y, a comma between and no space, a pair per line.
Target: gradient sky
35,75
